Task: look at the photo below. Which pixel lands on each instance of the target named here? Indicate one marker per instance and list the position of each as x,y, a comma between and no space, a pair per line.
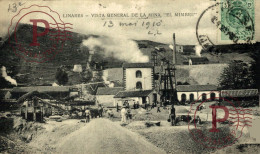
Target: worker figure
129,115
123,114
87,112
137,104
172,115
100,110
158,107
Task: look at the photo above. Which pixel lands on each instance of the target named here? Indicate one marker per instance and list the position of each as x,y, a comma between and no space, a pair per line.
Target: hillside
27,73
199,74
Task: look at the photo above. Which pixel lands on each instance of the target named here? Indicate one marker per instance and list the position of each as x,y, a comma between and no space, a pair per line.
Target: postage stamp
233,22
239,17
224,124
47,26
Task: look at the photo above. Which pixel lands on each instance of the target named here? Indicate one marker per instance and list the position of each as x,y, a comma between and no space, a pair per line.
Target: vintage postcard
147,76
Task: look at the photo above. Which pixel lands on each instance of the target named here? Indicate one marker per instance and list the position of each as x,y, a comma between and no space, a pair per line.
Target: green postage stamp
237,20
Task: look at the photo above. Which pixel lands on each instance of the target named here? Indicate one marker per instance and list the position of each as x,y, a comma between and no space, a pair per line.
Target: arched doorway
192,97
183,98
212,96
139,85
204,97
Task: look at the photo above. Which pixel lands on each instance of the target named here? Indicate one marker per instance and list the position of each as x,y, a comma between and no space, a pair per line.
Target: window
183,98
191,97
139,85
212,96
138,74
204,97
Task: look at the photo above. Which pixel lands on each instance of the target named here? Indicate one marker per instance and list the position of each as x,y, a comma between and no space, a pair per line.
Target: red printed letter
214,117
35,34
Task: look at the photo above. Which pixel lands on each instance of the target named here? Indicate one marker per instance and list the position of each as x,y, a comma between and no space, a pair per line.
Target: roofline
134,91
236,89
196,90
144,65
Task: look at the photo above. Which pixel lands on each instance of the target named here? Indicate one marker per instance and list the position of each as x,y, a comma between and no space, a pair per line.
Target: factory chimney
174,61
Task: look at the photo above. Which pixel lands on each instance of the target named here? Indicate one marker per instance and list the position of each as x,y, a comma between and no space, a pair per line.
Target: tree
61,76
86,76
236,76
255,55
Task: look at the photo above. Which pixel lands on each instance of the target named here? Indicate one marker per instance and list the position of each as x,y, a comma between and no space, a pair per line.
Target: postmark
238,16
225,28
32,26
224,122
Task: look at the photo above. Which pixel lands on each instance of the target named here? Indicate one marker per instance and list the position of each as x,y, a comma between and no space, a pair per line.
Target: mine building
190,93
138,80
138,76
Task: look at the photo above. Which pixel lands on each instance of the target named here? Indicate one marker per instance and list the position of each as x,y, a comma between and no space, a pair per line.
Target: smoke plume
198,49
8,78
106,81
120,48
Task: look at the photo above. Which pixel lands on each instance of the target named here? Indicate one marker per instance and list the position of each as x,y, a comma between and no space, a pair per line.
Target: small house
179,48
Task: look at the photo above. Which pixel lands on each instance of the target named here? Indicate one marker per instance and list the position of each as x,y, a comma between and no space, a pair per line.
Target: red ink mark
30,48
231,123
35,33
214,117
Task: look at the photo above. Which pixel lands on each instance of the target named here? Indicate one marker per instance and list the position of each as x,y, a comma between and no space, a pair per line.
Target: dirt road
104,136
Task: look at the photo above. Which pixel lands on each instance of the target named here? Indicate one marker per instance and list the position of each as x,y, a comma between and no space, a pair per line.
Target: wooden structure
33,108
166,83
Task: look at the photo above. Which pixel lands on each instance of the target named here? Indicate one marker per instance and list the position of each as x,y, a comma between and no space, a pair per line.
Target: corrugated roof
137,65
123,94
109,91
239,93
190,88
41,89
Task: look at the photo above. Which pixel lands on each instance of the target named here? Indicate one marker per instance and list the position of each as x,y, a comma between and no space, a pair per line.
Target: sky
159,29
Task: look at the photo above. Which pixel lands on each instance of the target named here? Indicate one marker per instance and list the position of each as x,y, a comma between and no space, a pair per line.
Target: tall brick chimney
174,61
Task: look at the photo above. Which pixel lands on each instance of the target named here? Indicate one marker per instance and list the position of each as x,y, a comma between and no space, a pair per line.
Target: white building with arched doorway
138,76
190,93
138,80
